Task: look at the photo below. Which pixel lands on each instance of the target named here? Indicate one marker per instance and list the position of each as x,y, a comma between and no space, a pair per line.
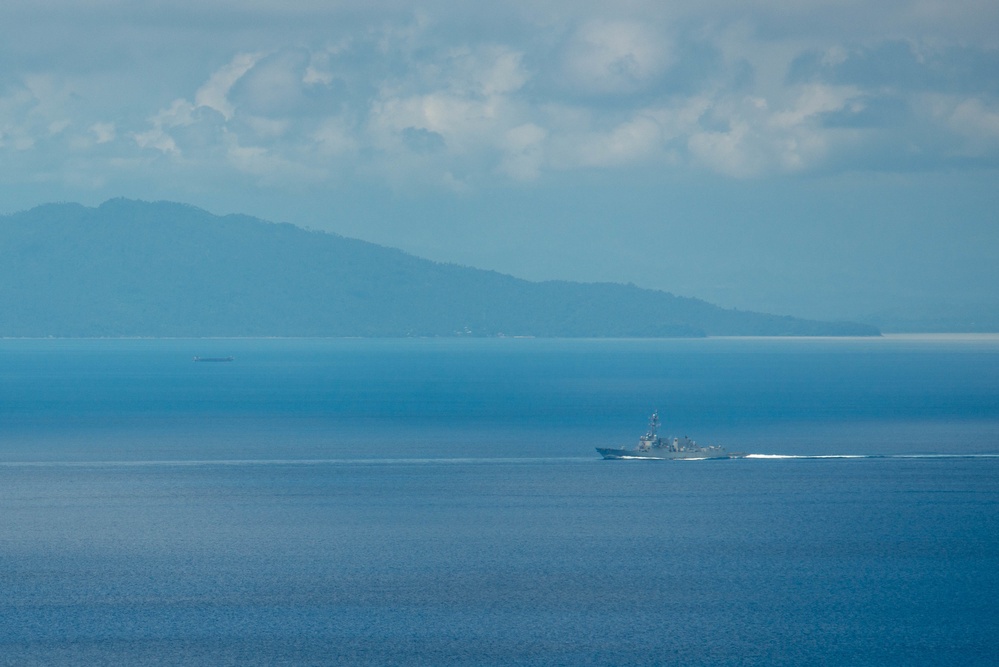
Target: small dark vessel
651,446
214,359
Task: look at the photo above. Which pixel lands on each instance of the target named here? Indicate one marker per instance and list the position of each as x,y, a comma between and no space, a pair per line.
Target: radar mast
653,425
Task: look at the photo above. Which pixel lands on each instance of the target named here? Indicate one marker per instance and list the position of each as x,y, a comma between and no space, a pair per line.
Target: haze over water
440,502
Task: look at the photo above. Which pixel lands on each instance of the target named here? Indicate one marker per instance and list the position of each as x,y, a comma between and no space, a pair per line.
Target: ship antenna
654,424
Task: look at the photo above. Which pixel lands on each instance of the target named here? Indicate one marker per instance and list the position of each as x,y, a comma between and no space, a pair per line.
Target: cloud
464,123
523,152
631,142
975,121
334,137
902,65
180,113
214,93
103,132
273,85
518,92
617,57
461,116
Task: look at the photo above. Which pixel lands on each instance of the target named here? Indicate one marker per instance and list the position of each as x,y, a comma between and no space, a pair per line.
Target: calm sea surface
439,502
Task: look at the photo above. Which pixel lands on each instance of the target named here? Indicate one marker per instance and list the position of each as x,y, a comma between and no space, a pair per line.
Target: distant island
162,269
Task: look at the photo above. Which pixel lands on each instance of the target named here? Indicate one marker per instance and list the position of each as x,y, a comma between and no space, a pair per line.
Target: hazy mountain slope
132,268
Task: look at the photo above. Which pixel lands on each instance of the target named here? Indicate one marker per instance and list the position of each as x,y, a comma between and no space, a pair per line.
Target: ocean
440,502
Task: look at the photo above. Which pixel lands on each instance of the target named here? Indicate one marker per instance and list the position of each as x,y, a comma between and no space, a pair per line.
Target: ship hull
654,455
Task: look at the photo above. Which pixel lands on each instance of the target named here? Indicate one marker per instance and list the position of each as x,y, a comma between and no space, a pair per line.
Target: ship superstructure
652,446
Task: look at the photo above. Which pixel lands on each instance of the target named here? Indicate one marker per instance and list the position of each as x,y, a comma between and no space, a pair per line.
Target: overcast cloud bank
458,98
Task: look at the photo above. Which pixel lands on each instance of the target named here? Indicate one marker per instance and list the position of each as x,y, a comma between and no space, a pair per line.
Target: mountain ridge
133,268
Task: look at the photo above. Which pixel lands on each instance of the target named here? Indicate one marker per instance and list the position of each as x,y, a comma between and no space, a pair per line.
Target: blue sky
834,159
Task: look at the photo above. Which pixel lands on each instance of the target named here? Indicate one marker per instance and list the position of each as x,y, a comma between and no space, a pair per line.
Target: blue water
440,502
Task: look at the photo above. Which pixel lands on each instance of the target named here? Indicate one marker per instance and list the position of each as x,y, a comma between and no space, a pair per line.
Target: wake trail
287,462
302,463
870,456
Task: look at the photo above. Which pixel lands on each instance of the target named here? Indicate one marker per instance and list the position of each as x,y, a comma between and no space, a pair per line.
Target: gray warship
652,446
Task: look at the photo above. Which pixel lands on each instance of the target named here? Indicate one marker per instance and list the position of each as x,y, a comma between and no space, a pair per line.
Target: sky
830,159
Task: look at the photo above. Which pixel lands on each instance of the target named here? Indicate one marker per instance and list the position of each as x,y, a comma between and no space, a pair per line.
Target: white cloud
103,132
616,57
974,120
274,86
214,93
503,72
180,113
469,109
753,138
58,126
319,71
811,101
269,168
631,142
735,152
335,137
156,139
464,123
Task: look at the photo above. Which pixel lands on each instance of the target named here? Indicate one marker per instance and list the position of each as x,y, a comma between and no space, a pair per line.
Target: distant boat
214,359
651,446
